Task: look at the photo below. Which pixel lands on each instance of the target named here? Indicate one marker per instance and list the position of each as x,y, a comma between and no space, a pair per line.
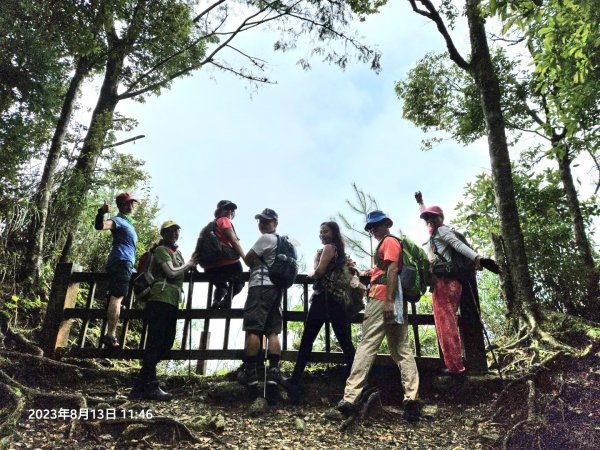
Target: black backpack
208,248
458,266
284,270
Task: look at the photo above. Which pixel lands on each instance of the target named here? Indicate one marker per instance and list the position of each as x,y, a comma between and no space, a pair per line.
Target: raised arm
101,224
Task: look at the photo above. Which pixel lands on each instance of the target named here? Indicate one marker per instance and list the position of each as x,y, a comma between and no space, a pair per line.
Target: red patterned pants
446,300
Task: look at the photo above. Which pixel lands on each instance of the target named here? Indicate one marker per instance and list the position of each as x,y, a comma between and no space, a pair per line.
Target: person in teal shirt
168,268
119,265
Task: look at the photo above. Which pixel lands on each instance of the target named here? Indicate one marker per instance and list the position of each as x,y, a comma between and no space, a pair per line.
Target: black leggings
225,279
324,309
162,323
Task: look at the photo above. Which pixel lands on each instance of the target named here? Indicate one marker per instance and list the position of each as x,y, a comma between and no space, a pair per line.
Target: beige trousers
374,330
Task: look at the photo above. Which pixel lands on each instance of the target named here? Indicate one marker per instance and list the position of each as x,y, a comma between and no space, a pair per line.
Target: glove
490,265
419,197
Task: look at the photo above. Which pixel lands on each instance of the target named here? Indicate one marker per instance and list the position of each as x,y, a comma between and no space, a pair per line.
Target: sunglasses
264,221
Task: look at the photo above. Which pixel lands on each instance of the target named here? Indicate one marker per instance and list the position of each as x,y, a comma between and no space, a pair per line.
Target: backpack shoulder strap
378,261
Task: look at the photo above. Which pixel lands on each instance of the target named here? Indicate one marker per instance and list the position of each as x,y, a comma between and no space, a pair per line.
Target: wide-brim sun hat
375,217
436,210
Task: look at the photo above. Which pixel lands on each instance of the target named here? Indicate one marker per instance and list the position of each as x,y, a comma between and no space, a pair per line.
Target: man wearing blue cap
379,322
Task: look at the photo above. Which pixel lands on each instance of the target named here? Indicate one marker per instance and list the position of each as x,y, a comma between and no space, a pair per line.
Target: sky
298,145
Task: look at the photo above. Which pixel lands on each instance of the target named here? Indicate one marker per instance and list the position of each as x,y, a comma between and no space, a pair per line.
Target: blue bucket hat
375,217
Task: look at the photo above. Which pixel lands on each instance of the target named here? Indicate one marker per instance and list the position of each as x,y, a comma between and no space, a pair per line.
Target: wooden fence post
55,331
204,343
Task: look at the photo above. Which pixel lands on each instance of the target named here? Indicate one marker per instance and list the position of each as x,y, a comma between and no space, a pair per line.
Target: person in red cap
119,265
444,244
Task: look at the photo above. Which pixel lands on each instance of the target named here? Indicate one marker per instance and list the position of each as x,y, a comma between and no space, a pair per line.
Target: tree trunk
484,74
78,184
581,240
33,258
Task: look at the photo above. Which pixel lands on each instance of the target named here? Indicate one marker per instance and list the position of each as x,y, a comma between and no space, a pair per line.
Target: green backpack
415,275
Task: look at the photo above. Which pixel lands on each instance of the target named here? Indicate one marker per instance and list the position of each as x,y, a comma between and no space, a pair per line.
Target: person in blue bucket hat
380,320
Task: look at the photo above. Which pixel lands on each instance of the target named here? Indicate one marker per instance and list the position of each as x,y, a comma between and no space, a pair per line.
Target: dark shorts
119,276
230,272
262,311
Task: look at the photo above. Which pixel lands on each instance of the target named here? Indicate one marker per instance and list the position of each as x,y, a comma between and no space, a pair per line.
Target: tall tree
563,40
80,26
437,95
480,67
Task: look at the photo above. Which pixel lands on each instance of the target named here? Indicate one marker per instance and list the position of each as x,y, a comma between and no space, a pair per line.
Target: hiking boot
412,411
216,304
247,377
346,408
153,391
274,376
334,414
293,389
342,411
109,341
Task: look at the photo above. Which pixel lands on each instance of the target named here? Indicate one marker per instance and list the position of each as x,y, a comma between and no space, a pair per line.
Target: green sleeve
162,255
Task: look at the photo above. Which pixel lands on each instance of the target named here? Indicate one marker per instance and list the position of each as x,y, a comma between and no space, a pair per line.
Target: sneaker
412,411
247,378
109,341
274,376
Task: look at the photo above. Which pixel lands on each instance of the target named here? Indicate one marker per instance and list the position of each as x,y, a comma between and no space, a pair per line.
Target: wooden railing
72,287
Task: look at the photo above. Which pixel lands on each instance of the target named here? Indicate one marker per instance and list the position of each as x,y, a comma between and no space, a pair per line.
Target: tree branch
432,14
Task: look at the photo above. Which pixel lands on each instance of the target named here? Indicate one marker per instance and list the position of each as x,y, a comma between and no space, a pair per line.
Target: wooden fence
77,295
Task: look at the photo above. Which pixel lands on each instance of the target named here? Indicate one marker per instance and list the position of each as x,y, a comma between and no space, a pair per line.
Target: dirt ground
217,413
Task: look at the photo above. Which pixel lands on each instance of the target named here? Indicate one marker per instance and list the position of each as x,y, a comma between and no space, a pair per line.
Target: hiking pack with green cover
414,275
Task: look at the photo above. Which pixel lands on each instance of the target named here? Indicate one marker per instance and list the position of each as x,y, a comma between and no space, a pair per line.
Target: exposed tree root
17,397
15,341
367,407
164,430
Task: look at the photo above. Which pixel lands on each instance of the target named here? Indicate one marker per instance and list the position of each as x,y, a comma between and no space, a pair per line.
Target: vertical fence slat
415,327
285,322
125,326
86,321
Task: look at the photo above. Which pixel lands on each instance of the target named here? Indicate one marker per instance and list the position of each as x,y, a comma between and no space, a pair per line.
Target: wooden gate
76,295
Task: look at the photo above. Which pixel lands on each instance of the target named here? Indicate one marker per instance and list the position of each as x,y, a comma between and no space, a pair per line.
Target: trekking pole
191,283
485,333
265,364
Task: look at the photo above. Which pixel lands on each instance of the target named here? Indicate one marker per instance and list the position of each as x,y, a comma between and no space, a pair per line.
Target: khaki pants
374,330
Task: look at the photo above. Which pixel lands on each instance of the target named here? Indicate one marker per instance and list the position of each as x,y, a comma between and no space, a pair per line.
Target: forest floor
215,412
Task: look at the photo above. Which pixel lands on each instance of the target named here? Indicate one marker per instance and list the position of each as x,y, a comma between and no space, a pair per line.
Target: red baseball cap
125,197
436,210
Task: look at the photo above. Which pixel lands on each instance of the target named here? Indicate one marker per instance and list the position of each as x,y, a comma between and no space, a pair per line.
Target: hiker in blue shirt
119,265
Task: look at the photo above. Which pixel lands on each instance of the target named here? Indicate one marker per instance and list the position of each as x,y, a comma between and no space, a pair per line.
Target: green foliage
558,281
22,310
439,96
356,237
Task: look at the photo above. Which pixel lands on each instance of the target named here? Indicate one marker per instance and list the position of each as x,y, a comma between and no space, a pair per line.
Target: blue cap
375,217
